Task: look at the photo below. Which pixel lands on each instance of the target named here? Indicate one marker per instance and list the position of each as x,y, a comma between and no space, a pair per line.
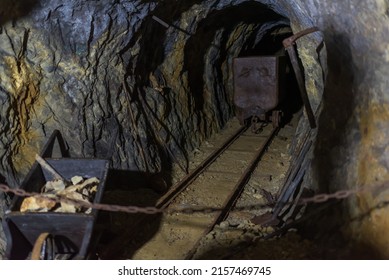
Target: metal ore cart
65,235
258,88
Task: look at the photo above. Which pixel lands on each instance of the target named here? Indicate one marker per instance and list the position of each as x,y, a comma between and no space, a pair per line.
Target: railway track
223,187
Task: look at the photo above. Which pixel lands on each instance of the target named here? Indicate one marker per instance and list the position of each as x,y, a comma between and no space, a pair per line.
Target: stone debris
81,189
76,180
37,204
227,238
54,186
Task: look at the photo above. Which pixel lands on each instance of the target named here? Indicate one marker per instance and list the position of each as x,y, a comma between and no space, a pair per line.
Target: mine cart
64,234
258,88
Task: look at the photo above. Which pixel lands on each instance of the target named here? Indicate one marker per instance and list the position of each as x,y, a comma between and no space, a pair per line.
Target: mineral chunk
76,180
54,186
80,189
37,204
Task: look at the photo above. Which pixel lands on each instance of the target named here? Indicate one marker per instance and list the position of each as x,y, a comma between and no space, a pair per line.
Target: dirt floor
186,235
172,236
181,235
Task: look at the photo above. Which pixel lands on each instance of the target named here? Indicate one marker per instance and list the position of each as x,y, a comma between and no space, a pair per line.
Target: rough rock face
133,81
353,139
144,82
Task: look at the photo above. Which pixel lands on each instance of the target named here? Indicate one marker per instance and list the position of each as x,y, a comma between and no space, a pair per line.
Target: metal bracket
289,46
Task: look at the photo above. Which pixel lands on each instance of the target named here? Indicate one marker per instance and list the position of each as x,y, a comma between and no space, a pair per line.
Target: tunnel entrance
247,29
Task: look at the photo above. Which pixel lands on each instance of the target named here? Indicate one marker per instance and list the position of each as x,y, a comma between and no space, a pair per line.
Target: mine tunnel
127,100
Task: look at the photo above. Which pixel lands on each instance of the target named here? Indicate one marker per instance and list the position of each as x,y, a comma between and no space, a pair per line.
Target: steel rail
165,200
115,246
237,191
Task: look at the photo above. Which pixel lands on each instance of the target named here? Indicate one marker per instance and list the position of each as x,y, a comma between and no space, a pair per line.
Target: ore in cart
70,233
258,90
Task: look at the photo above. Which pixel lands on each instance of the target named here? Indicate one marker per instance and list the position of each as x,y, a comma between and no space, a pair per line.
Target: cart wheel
43,248
276,118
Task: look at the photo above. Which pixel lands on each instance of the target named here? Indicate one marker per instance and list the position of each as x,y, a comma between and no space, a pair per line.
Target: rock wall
135,81
353,138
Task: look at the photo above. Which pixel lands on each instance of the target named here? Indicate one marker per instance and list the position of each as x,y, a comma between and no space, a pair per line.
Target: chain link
319,198
85,204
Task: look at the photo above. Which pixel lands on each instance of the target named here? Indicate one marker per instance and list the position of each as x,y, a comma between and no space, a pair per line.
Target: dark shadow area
131,180
337,109
64,246
2,179
21,247
325,230
10,10
270,43
338,101
295,242
291,247
116,232
291,103
126,235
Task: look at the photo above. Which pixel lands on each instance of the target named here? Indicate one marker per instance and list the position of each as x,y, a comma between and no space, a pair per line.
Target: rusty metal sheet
257,82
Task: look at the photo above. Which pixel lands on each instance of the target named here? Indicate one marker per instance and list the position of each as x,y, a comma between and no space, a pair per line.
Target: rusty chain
85,204
319,198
